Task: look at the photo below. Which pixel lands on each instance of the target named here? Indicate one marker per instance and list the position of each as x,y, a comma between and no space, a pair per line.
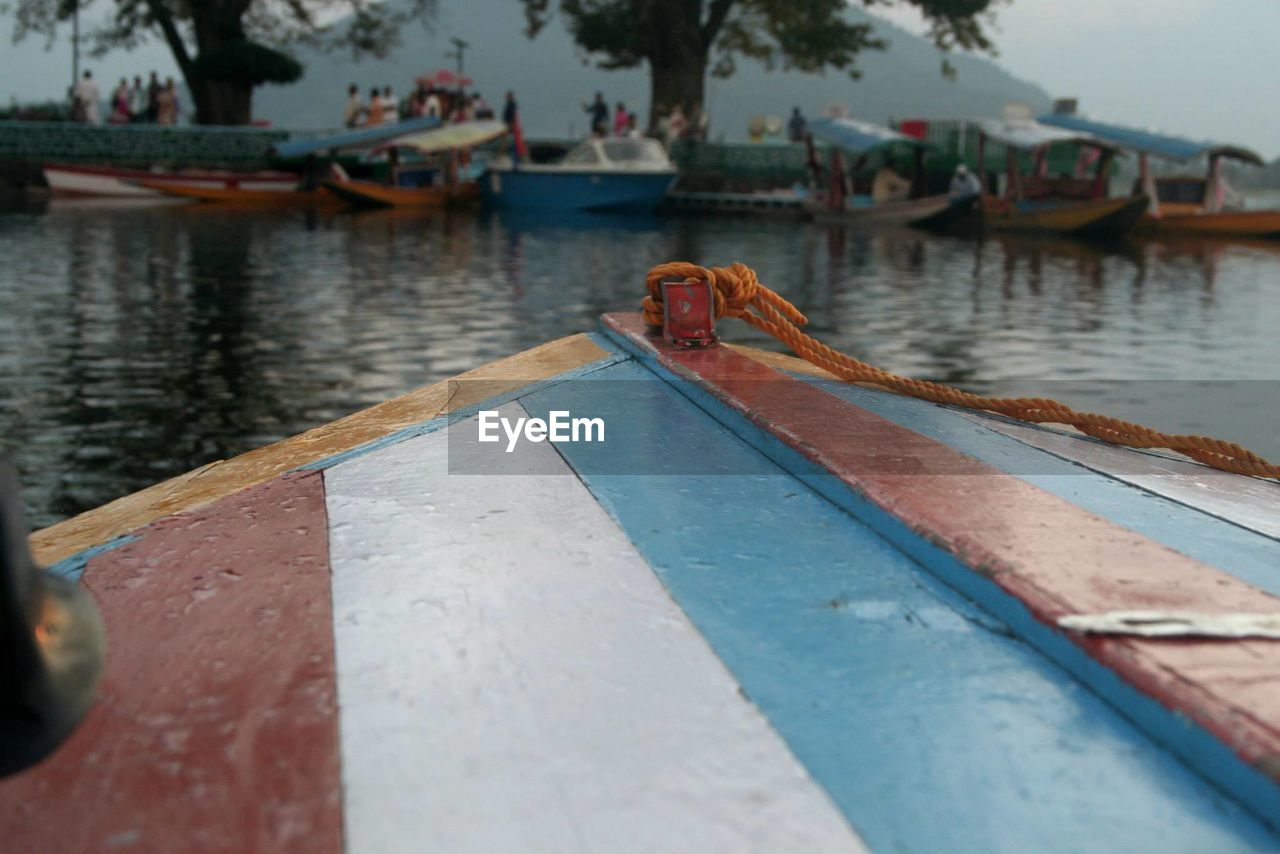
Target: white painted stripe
1246,501
513,677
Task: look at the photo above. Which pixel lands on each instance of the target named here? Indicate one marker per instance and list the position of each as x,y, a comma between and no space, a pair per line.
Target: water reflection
140,341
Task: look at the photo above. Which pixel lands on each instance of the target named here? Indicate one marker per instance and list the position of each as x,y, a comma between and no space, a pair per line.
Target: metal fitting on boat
688,313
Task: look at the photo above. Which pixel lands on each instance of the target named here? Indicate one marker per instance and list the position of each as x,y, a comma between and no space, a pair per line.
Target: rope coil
739,293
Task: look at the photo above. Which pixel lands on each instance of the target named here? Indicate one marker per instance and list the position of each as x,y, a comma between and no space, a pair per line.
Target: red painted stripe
1054,557
216,724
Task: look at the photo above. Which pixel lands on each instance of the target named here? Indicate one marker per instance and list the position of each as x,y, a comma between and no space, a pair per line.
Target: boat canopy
358,138
858,136
1147,142
447,138
1031,134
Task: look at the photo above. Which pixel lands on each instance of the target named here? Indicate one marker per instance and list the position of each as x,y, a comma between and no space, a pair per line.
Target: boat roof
1030,134
447,138
857,135
358,138
1150,142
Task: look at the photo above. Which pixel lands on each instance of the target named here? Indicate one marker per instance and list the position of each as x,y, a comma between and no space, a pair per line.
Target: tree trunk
220,102
681,83
677,57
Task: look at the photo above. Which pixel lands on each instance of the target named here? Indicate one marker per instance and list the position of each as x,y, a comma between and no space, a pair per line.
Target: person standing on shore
599,112
431,107
138,101
674,127
153,98
373,114
85,97
390,107
351,115
796,126
120,104
167,104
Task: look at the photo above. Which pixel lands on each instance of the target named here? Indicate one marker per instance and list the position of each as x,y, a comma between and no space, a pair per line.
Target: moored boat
753,608
1182,204
612,174
435,181
82,180
890,200
1076,203
293,197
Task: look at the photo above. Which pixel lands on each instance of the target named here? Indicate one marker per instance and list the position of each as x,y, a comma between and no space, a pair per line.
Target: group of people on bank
383,107
669,126
155,103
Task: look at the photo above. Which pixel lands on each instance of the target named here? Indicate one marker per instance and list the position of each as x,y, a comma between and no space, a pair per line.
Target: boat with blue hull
612,174
638,589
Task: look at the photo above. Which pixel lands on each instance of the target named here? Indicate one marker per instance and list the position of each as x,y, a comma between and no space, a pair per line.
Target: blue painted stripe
930,725
1248,555
73,567
434,424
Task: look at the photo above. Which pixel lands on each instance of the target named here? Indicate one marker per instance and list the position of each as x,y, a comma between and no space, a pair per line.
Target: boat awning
358,138
1147,142
462,135
1031,134
858,136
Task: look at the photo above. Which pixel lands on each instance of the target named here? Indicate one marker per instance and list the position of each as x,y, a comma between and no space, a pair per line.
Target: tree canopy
683,40
225,48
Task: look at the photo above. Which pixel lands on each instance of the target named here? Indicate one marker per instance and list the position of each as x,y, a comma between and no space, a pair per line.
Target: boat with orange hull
1087,216
1182,204
369,194
1076,203
1195,220
294,198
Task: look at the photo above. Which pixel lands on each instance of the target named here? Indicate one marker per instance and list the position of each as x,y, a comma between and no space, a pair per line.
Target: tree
227,48
682,39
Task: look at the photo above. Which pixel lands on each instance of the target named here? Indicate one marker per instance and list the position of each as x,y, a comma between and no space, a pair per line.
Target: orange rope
738,293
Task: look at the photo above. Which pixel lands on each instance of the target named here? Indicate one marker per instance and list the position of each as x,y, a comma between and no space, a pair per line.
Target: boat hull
519,189
249,197
73,180
1092,216
919,212
367,194
1224,224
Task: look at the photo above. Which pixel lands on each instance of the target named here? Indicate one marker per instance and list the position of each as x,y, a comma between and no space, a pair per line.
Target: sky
1201,68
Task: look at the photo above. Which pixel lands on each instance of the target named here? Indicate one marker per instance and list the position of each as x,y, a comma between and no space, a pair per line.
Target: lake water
138,342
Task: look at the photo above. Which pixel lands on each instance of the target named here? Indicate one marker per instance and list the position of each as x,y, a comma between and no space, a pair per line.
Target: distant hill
551,82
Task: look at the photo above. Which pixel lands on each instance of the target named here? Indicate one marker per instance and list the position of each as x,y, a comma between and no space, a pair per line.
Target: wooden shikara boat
82,180
295,198
744,606
1073,204
1181,204
445,188
839,204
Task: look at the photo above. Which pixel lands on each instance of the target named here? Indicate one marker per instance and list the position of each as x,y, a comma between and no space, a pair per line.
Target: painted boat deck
769,612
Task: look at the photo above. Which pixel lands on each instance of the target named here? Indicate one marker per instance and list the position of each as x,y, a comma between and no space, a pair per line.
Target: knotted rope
738,293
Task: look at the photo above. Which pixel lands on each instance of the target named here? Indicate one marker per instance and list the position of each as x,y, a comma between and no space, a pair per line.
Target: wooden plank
216,724
514,678
1246,554
862,660
1249,502
1025,554
223,477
